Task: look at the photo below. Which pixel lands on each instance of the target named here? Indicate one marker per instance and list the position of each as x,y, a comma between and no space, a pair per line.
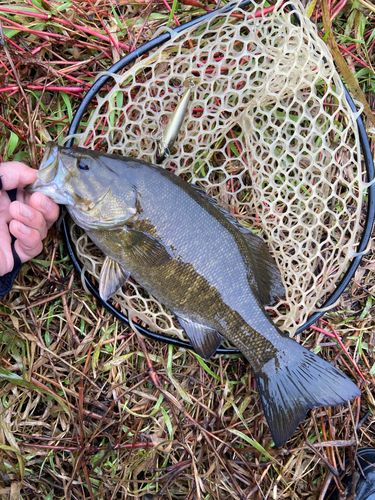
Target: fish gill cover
268,133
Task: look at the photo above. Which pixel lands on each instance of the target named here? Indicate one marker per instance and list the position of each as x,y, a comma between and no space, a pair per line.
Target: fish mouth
50,163
48,168
50,176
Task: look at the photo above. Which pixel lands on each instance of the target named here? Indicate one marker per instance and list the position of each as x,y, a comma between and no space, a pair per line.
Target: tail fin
295,383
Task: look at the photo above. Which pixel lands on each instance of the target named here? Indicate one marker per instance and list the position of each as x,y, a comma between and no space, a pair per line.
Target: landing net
268,133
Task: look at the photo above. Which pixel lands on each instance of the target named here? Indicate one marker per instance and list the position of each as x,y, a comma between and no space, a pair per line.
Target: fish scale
195,258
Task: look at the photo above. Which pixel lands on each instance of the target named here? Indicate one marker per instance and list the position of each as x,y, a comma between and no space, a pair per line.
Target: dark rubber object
365,489
6,281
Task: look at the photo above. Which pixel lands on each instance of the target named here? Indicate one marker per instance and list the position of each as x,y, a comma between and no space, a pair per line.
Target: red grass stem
18,26
170,10
41,87
113,41
338,9
93,33
14,44
344,49
24,13
336,336
34,6
44,34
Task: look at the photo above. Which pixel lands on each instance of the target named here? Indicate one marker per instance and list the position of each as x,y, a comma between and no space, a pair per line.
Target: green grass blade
11,146
253,443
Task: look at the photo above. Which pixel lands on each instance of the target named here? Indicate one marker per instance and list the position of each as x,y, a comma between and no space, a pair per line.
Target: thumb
14,174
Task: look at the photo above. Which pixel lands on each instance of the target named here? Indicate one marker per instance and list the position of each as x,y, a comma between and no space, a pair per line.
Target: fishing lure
167,139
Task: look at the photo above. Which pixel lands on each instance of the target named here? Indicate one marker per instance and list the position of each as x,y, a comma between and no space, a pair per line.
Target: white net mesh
268,133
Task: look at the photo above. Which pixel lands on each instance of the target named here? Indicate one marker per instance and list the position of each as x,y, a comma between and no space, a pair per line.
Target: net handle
366,151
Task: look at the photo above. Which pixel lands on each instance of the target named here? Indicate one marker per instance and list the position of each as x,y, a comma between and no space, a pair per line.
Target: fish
196,259
165,142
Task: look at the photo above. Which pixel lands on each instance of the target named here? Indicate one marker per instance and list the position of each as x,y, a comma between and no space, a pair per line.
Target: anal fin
112,277
205,340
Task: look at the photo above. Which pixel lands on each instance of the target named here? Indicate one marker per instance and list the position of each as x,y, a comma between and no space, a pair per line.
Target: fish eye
83,166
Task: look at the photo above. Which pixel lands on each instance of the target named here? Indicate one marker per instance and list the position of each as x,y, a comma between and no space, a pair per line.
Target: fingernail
25,211
24,229
45,203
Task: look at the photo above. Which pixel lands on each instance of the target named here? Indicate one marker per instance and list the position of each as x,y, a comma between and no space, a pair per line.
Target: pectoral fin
205,340
112,278
147,249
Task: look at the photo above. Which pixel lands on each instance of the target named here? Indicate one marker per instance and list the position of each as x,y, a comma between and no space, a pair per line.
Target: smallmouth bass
194,257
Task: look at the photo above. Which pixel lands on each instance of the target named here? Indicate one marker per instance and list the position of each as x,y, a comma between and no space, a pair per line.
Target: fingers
15,174
29,228
49,210
39,212
30,224
6,257
29,217
28,241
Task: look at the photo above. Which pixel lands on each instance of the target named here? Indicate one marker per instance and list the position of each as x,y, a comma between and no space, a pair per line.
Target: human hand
28,218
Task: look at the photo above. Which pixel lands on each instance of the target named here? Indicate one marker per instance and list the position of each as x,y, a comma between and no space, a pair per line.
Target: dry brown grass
87,408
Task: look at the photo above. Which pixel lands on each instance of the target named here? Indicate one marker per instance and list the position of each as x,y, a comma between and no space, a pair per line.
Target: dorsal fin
264,268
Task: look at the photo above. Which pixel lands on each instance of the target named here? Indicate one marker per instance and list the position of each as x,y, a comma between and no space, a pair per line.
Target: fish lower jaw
49,190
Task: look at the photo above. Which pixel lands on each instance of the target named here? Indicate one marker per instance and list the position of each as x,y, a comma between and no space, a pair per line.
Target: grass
87,408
